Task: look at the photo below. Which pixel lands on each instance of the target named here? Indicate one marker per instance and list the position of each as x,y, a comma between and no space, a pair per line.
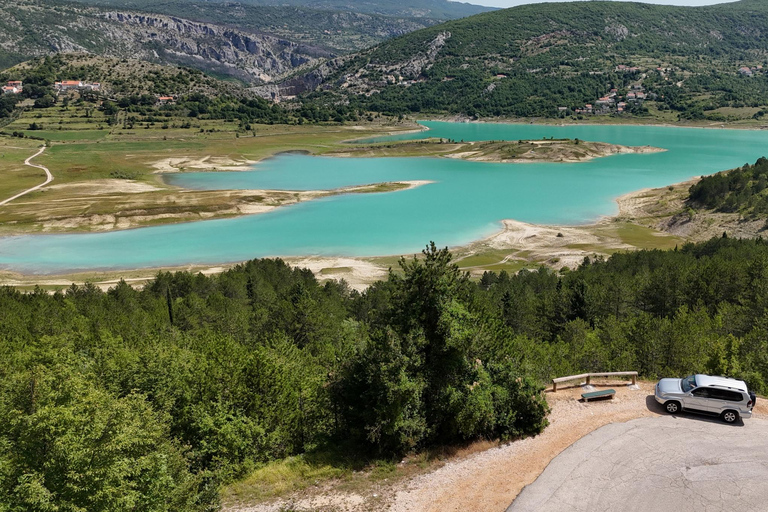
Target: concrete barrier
588,376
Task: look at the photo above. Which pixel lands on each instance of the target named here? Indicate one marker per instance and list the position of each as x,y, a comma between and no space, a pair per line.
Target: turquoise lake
466,202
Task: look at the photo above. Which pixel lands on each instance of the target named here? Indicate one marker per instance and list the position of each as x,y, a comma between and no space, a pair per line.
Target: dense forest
738,190
150,399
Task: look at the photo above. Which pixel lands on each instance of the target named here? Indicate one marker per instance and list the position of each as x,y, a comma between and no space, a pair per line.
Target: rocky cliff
258,57
359,74
31,28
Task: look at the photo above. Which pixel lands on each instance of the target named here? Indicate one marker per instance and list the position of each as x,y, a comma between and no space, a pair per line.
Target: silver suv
719,396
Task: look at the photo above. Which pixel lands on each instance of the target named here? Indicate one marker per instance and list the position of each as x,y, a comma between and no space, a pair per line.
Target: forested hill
532,59
743,190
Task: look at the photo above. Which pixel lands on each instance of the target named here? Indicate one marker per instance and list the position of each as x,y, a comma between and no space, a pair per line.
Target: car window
701,392
724,394
688,383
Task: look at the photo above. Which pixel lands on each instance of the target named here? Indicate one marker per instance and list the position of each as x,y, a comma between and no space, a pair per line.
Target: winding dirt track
48,179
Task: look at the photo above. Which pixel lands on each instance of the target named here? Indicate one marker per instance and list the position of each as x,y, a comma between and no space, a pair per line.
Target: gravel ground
490,480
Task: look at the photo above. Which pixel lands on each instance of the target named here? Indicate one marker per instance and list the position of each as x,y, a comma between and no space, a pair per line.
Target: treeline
8,103
151,398
156,396
472,92
737,190
144,108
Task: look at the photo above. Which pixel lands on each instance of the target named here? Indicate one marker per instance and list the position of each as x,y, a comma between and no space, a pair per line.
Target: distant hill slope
545,59
135,93
120,78
430,9
337,32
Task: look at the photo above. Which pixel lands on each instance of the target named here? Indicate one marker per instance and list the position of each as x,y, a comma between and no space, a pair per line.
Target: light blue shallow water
466,201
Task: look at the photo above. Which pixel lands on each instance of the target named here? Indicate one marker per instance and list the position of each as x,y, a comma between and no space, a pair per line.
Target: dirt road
48,177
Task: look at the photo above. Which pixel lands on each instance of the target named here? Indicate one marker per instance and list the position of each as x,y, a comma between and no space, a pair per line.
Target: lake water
466,202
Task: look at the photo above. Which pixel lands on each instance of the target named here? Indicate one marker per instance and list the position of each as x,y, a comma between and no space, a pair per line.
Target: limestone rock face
367,79
255,58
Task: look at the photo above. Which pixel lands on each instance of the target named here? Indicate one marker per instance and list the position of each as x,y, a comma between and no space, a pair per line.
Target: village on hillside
750,71
618,102
13,87
67,87
76,85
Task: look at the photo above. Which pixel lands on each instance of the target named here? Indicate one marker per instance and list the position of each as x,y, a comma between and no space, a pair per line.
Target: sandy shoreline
556,246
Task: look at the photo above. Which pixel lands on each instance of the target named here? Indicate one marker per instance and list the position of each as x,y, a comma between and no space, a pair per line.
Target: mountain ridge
433,9
251,43
532,60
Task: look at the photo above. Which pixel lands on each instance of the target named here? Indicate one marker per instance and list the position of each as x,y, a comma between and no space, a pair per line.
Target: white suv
719,396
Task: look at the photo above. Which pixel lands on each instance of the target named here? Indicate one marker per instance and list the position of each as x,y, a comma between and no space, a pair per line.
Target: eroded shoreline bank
516,245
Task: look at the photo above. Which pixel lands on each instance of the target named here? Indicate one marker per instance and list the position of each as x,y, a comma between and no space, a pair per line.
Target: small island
543,150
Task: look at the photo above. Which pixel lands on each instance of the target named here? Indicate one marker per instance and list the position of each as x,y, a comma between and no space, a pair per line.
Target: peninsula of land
544,150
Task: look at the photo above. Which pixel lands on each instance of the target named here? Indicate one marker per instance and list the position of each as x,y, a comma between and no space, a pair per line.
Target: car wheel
672,407
729,416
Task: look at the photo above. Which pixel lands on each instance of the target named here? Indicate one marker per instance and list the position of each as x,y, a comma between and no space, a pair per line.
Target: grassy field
105,169
494,260
315,471
14,175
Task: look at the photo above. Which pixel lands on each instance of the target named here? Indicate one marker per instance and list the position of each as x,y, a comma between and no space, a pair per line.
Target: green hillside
129,96
741,190
530,60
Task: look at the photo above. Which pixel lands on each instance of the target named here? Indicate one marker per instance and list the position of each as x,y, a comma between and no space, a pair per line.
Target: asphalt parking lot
659,464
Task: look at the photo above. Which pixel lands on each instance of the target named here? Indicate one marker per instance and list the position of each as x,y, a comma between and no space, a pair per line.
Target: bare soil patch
568,151
359,274
665,209
206,163
105,186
